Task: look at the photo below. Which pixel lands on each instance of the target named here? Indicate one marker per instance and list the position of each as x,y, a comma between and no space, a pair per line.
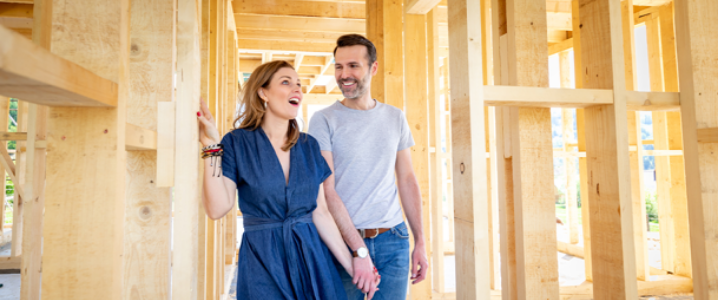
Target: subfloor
571,269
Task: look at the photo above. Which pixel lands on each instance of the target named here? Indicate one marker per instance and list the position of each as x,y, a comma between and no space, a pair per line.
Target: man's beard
359,90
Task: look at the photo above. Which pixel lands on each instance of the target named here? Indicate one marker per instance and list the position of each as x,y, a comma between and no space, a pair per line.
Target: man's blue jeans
390,253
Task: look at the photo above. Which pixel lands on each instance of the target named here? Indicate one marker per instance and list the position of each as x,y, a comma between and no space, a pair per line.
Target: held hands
208,133
365,276
418,259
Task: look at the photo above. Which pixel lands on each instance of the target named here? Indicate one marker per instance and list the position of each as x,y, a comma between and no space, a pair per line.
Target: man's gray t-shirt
364,144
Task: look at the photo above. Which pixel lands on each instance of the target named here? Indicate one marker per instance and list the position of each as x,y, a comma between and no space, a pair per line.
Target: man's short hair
355,39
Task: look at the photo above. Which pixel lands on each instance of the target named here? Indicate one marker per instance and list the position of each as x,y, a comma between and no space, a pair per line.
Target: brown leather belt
372,233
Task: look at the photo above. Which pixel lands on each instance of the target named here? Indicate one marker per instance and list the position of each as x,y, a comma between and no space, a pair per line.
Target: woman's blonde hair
253,108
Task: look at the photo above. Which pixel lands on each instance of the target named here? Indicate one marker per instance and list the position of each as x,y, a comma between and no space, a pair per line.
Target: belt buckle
363,234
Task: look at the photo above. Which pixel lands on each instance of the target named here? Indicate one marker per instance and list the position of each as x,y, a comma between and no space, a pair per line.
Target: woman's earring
265,104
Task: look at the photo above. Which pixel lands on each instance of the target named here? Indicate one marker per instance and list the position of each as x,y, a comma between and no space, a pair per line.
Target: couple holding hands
322,218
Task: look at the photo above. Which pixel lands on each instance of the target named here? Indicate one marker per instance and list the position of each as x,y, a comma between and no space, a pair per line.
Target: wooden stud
31,264
416,85
640,228
613,265
4,116
527,52
208,24
694,21
148,207
384,28
87,145
436,163
679,205
187,163
468,151
19,180
581,135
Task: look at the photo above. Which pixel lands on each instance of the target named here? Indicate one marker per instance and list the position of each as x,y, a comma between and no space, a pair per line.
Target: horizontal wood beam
138,138
302,8
708,135
653,101
16,10
10,262
306,24
35,75
650,2
545,97
13,136
564,45
286,46
576,98
420,7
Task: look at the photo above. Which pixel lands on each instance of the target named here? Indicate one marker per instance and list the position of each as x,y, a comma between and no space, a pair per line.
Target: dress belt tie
287,225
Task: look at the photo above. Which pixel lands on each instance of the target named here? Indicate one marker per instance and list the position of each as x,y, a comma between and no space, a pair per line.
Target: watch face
362,252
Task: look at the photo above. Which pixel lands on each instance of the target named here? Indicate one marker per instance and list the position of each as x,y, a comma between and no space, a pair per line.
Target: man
367,145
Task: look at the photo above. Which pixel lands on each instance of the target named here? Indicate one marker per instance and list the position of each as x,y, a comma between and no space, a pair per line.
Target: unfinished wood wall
120,136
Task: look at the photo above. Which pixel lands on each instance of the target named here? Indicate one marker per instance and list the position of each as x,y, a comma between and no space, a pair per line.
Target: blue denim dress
281,255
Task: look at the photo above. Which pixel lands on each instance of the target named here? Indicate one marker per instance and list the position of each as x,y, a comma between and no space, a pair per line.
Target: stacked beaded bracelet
215,153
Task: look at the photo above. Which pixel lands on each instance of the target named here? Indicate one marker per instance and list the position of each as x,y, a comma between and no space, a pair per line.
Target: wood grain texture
84,215
417,115
188,167
468,151
697,69
384,28
148,206
32,73
611,212
436,161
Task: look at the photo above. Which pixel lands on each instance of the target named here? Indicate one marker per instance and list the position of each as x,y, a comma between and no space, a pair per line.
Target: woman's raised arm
218,191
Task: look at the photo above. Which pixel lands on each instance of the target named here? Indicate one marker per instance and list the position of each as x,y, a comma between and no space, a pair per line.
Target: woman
278,172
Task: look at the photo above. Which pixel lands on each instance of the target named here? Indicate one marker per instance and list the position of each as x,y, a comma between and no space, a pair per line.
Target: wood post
678,206
148,208
581,135
188,167
695,21
602,62
416,81
384,28
468,151
436,161
534,208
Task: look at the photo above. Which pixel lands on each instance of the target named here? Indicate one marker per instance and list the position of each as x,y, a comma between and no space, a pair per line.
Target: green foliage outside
651,209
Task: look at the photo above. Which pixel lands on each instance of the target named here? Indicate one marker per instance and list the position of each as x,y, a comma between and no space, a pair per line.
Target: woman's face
284,94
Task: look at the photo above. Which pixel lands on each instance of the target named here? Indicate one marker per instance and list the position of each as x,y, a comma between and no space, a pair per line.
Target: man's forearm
344,222
411,201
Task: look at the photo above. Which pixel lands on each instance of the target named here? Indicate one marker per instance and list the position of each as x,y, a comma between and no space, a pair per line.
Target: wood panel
302,8
613,261
697,69
86,162
384,29
468,151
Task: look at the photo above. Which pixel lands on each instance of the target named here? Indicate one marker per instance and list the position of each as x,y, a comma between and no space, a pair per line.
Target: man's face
352,71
